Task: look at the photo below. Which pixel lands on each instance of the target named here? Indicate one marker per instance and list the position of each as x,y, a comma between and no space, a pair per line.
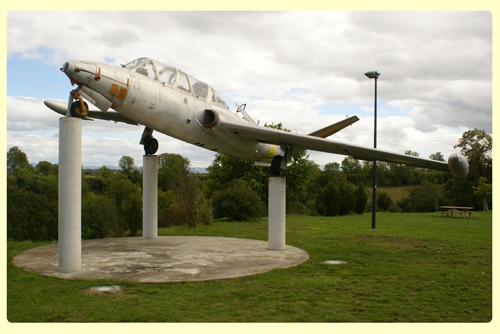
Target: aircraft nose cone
65,67
80,72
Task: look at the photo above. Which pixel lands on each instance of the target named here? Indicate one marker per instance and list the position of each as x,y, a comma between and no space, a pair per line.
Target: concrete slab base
165,259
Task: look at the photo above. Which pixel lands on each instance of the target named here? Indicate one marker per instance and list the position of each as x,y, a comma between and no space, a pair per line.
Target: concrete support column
70,195
150,196
277,211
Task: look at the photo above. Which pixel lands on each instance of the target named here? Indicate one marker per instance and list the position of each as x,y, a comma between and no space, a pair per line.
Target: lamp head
372,74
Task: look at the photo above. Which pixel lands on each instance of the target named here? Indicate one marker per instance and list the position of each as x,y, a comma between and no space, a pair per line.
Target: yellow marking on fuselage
272,151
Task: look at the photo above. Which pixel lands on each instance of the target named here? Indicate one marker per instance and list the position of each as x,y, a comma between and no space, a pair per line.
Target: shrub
361,199
100,217
425,197
328,201
30,216
237,202
384,201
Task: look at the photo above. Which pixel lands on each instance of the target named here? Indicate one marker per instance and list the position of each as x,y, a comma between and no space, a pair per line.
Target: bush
328,201
361,199
406,205
30,216
100,218
347,198
425,197
165,200
237,202
384,201
203,210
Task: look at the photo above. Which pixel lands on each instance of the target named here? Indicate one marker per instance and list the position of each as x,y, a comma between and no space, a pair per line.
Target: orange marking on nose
114,89
122,93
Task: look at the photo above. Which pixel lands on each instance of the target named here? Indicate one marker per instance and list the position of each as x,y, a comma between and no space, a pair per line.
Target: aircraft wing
60,107
300,141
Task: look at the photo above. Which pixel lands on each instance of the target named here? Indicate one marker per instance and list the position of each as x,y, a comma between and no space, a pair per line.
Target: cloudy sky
304,69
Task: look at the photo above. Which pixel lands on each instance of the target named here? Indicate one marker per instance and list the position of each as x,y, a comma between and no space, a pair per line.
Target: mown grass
395,193
413,268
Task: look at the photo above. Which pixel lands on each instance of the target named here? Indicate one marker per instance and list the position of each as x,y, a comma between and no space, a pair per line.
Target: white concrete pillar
150,196
277,211
70,195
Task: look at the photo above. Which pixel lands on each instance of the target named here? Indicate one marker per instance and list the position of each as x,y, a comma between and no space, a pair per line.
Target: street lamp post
374,75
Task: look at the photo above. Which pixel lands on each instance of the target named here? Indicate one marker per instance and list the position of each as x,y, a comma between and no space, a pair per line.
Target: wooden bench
464,211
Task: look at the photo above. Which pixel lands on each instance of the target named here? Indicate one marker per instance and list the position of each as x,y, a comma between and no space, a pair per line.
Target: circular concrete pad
165,259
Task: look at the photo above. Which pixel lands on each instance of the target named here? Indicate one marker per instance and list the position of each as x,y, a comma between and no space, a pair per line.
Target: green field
413,268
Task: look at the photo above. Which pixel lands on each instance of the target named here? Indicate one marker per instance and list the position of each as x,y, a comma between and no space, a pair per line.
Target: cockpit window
200,88
134,63
167,74
183,82
147,69
216,98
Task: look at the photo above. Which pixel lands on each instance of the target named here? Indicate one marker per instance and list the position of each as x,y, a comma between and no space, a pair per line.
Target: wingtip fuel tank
458,165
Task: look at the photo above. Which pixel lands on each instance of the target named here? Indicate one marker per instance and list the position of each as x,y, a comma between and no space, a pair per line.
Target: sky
304,69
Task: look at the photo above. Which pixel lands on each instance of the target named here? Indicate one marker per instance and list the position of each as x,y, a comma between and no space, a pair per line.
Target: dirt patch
401,242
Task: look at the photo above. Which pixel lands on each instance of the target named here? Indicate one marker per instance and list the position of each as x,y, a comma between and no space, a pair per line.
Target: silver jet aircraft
165,99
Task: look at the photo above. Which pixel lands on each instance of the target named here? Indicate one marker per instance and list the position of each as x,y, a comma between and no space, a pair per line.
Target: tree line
236,189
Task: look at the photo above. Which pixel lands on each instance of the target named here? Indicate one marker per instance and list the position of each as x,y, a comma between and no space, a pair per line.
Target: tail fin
334,128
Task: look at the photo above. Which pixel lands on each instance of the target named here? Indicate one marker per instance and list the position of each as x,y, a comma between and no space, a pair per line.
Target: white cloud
304,69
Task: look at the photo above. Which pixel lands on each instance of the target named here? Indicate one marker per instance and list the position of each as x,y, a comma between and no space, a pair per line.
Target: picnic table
464,211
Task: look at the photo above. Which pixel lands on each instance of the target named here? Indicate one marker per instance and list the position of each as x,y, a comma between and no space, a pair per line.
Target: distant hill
97,167
199,170
196,170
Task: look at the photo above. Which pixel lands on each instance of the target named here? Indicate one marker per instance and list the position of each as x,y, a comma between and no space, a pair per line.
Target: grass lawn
413,268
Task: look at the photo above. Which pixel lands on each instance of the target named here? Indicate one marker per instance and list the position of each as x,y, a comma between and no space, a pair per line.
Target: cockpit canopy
168,75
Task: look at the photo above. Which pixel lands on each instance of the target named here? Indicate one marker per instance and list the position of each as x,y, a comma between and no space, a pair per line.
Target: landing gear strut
276,165
280,163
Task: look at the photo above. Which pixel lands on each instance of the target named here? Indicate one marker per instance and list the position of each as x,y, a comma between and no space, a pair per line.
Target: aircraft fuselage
166,100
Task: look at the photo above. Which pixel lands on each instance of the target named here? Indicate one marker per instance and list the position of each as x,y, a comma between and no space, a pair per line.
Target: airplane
167,100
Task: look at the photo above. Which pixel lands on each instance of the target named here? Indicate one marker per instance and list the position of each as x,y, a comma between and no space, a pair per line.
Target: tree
301,184
171,168
476,146
100,217
484,190
225,168
400,174
131,210
438,156
130,169
353,169
30,216
17,158
412,153
126,197
183,210
45,168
